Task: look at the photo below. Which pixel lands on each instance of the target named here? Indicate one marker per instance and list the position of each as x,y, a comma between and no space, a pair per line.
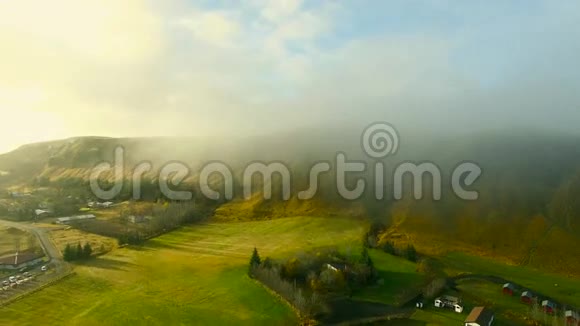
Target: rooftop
548,303
449,299
480,315
509,286
23,257
75,218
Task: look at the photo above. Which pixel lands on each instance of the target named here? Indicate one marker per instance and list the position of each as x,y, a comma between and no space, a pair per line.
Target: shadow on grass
350,310
397,288
397,322
107,263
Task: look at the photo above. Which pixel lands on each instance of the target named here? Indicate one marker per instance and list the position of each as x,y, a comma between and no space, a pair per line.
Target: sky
230,68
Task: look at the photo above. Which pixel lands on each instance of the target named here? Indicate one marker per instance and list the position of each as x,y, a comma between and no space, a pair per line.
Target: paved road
44,237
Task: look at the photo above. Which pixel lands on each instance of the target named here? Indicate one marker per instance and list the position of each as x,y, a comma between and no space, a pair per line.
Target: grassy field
564,289
508,310
62,237
400,278
196,275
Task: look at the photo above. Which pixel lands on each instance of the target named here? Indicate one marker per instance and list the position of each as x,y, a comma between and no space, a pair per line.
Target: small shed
548,307
527,297
509,289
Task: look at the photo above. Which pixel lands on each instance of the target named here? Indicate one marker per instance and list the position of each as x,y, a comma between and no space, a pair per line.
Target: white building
449,302
66,220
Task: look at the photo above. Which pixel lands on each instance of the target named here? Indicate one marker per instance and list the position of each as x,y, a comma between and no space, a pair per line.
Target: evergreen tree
370,264
255,260
87,251
411,253
365,258
365,239
68,253
389,248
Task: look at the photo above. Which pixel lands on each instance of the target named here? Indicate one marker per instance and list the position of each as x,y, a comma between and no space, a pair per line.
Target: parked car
5,283
26,274
44,268
12,279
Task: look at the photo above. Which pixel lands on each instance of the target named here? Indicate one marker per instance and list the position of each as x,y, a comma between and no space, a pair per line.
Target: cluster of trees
365,268
313,271
327,281
408,252
78,252
19,209
163,218
270,276
370,239
134,237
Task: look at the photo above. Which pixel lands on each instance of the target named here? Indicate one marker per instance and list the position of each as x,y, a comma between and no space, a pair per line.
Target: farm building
572,318
66,220
548,306
509,289
527,297
450,303
480,316
19,260
97,204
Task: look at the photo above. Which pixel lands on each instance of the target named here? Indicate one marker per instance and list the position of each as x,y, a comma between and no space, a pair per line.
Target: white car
44,268
12,279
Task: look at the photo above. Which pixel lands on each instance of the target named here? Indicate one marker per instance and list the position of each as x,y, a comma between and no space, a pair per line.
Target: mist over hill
527,202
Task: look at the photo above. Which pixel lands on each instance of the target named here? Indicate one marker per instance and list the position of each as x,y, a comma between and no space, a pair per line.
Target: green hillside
527,212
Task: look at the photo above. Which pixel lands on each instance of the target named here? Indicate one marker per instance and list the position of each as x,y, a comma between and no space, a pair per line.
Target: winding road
43,236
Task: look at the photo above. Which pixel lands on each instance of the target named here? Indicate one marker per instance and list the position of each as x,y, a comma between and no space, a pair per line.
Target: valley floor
196,275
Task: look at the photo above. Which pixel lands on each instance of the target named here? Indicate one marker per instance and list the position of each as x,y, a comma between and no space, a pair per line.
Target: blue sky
182,67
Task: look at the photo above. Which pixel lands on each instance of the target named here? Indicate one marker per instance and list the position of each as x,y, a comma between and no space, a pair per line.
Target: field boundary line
278,296
37,289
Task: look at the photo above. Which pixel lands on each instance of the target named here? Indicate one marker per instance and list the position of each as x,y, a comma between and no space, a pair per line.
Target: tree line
370,239
78,252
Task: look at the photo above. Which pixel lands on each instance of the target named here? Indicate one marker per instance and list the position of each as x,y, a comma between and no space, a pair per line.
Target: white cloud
276,11
216,27
124,68
50,49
